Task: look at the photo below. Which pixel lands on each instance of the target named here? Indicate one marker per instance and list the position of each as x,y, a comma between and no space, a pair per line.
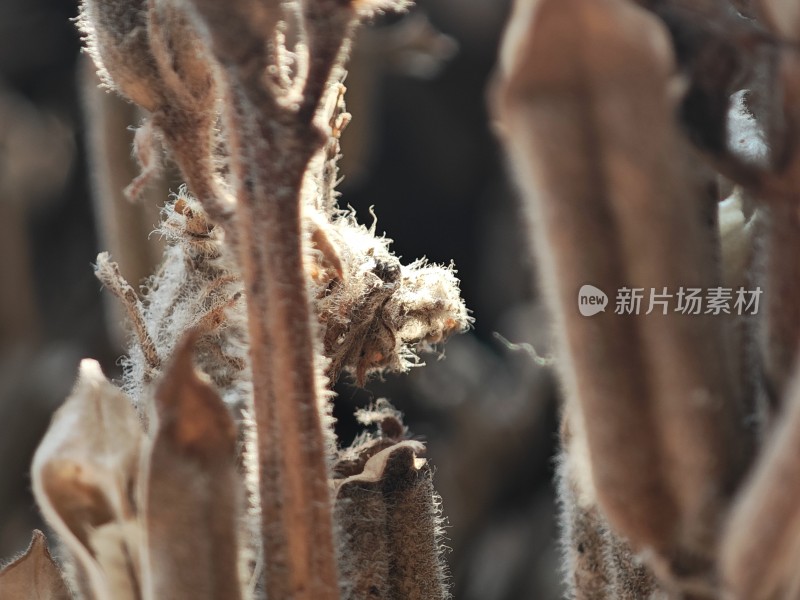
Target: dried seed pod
389,526
191,492
387,514
416,568
363,545
84,473
116,36
149,52
33,575
608,200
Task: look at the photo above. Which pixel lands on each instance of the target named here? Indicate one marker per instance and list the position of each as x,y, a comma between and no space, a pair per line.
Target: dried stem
295,499
271,146
188,138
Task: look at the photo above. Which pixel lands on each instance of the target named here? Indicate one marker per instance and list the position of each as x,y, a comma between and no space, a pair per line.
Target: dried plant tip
351,461
196,224
191,415
84,472
191,492
116,37
33,575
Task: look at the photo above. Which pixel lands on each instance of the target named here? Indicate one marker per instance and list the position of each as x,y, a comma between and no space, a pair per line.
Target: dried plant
625,122
213,471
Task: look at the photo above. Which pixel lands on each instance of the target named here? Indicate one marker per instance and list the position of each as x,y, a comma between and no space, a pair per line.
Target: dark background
420,150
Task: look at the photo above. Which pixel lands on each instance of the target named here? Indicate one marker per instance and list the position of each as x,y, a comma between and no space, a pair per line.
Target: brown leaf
33,575
84,472
192,499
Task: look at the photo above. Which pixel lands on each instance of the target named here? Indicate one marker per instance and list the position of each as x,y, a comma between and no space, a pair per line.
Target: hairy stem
294,493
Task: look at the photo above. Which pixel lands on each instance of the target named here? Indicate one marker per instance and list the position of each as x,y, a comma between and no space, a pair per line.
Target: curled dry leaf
196,287
84,473
33,575
191,496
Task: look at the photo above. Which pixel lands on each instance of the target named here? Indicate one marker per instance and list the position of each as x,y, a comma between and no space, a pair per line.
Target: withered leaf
84,472
191,492
33,575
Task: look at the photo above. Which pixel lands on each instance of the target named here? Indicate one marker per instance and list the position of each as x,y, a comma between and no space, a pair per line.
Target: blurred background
420,149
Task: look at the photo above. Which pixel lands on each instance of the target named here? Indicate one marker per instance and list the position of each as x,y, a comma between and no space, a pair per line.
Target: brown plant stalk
269,155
